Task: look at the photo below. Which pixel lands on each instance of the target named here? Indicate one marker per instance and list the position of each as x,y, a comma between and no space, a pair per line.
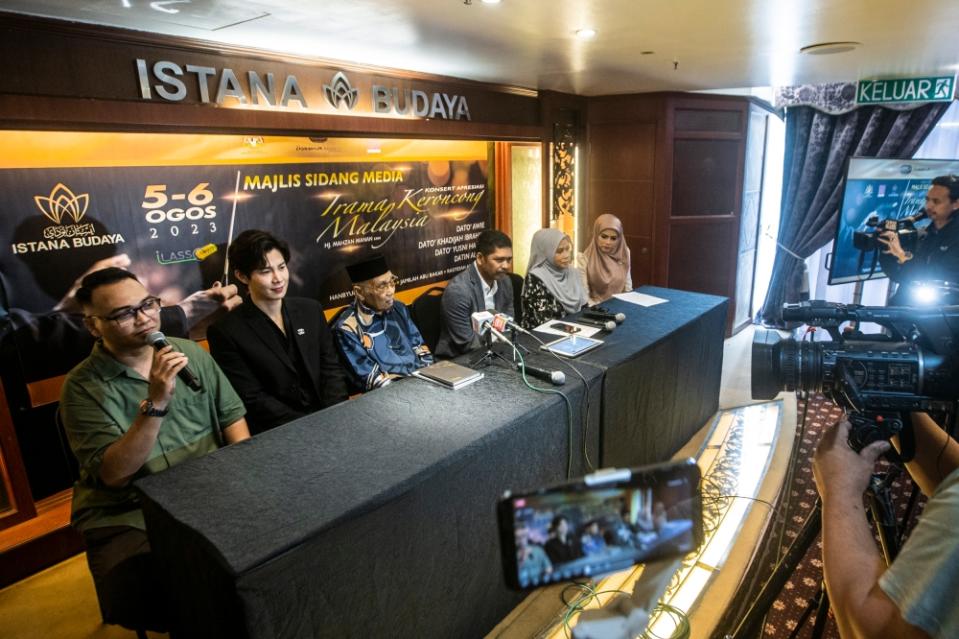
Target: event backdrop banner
174,223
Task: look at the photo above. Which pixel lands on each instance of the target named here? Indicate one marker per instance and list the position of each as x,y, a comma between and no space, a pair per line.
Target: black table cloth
664,366
376,517
373,518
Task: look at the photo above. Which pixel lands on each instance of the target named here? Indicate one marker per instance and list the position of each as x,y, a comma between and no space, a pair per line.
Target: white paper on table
584,330
639,298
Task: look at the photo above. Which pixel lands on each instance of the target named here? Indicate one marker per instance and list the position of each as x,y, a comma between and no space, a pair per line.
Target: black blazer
245,345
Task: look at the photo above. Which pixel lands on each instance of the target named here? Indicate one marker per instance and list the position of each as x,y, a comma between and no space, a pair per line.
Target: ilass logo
65,209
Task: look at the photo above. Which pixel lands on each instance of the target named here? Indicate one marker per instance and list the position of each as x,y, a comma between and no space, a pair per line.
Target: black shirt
936,258
308,401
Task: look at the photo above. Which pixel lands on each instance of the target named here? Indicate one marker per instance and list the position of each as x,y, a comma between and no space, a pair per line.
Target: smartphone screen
582,530
562,326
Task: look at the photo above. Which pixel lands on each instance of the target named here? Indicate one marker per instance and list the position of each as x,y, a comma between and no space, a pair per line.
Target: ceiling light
585,34
830,48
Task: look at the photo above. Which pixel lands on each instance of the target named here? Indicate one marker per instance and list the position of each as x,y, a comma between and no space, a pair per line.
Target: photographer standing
937,252
915,596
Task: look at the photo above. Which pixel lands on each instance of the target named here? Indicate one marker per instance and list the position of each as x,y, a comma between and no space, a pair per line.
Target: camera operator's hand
841,472
890,239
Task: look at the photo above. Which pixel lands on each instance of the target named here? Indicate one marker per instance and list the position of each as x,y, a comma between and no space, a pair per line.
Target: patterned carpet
788,608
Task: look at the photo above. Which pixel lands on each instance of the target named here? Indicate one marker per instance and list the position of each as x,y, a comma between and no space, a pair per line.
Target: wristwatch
147,408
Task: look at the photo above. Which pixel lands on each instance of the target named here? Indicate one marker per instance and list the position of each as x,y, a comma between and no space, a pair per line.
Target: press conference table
376,517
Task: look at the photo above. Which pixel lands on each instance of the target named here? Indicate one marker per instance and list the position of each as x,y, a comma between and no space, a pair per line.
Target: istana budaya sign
174,82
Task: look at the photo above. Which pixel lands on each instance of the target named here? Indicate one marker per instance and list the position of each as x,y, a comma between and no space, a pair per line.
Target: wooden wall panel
622,171
631,201
699,256
705,177
622,151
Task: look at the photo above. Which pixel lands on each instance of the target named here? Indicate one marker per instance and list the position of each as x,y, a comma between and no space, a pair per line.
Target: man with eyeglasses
375,334
125,417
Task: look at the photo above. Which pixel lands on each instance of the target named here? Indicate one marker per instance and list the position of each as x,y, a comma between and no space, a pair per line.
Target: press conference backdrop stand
376,517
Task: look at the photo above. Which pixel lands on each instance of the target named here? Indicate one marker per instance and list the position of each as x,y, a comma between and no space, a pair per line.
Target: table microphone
558,378
603,314
606,325
555,377
481,321
158,341
502,321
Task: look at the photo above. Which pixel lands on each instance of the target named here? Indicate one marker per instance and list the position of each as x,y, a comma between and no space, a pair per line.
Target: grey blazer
463,297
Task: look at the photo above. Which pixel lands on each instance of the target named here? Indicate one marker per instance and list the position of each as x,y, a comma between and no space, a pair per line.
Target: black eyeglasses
126,317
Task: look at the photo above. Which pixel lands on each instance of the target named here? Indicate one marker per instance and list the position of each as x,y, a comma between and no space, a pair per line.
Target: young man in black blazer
276,350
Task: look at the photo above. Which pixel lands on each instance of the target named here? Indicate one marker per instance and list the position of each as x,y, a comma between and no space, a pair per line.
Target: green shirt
101,399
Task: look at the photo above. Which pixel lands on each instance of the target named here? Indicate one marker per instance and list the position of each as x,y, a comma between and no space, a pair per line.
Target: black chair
517,281
427,312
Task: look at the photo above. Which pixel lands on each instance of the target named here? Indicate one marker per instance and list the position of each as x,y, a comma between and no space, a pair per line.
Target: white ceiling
697,44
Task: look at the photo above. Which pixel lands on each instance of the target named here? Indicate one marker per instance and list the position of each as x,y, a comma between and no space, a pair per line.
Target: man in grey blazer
481,286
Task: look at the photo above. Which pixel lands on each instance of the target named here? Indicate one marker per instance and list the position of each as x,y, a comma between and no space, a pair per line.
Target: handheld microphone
603,314
558,378
158,341
607,325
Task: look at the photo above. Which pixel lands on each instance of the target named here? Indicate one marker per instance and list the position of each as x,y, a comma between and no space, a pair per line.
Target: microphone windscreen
610,325
620,317
558,377
156,339
481,321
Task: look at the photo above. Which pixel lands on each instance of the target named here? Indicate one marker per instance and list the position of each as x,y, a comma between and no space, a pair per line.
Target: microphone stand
512,336
487,358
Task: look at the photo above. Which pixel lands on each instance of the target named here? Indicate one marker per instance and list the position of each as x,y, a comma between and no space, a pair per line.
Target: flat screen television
884,187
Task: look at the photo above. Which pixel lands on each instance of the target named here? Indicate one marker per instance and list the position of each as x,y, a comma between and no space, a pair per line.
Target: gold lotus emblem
62,201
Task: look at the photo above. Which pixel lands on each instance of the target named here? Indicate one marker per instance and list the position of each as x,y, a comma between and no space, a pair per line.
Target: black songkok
371,267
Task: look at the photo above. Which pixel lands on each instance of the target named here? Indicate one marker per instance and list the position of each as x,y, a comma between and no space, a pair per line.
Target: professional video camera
875,377
868,239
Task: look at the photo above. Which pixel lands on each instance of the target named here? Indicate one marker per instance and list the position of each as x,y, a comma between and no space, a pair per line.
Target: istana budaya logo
65,209
62,201
339,90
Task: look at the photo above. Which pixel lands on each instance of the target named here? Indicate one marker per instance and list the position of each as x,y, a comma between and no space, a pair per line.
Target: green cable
682,630
569,408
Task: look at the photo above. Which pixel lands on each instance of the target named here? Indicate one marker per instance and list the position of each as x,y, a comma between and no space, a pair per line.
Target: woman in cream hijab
605,262
553,288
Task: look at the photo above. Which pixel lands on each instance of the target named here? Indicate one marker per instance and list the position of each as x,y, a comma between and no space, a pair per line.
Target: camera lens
784,364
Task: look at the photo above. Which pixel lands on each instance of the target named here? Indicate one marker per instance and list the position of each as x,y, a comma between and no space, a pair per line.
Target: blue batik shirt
378,347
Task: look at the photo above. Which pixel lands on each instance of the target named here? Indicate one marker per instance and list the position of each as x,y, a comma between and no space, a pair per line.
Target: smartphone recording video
600,524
